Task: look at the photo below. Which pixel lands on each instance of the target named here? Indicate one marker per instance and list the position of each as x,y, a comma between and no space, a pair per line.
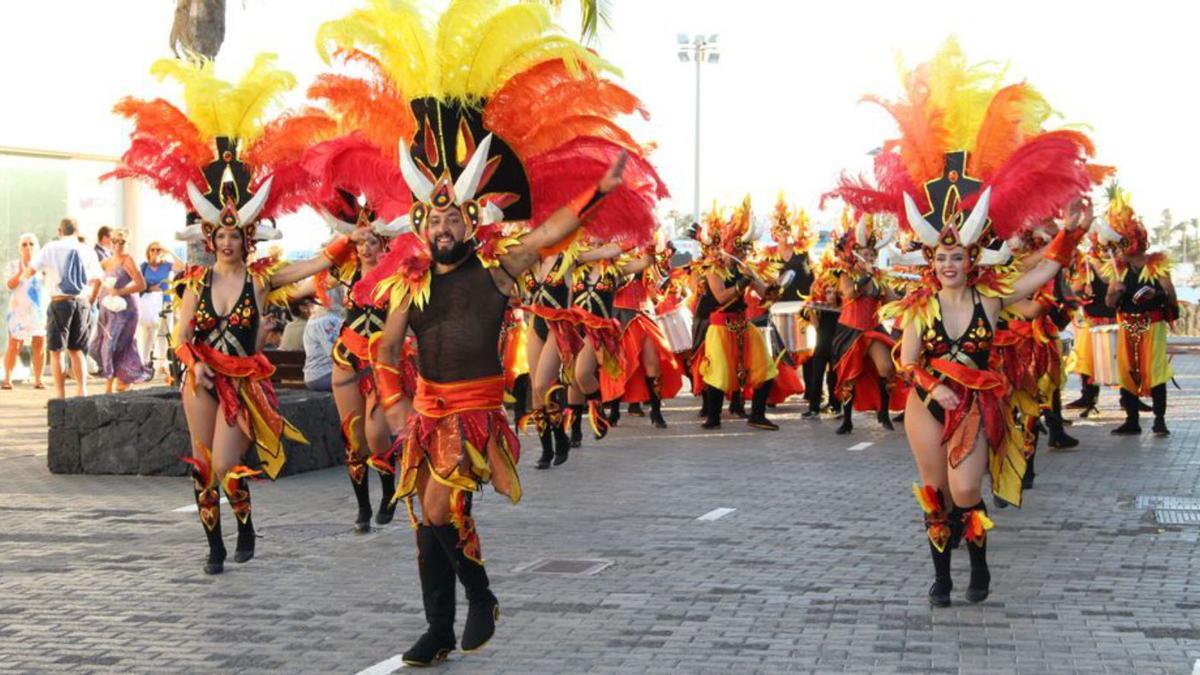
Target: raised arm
1057,254
638,264
335,252
563,222
720,291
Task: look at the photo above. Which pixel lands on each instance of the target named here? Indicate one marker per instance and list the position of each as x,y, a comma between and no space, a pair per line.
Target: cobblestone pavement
821,567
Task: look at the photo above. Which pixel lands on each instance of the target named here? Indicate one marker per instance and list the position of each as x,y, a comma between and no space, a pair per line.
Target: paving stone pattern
821,568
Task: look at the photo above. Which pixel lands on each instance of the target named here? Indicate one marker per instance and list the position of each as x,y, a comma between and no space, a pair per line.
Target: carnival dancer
823,310
551,342
734,356
1089,284
1141,291
792,234
861,348
652,372
974,179
491,145
196,159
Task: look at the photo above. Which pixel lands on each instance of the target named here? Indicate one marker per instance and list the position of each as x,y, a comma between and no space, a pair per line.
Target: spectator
319,335
114,346
26,318
160,264
73,279
293,332
104,244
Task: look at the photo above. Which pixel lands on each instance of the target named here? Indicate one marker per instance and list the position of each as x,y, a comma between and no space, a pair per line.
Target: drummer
792,234
734,355
1089,284
823,310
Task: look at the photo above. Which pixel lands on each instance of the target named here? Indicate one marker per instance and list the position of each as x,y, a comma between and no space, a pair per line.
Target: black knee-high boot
237,491
387,488
546,436
1059,438
208,505
614,413
520,393
835,406
437,594
884,415
1159,397
758,408
713,399
483,609
356,468
975,525
737,405
596,417
1085,400
654,385
1132,406
939,531
577,424
847,411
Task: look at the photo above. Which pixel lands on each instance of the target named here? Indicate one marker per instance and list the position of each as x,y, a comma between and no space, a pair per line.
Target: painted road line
384,667
191,508
716,513
859,447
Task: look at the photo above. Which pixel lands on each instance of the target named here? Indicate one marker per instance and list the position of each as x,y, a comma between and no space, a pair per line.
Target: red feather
292,187
1037,181
158,119
557,176
355,164
285,138
153,160
892,182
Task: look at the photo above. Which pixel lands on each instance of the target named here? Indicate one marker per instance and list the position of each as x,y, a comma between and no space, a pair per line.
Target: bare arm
605,252
638,264
1169,289
1113,295
910,345
185,326
137,281
333,253
1031,281
15,280
560,225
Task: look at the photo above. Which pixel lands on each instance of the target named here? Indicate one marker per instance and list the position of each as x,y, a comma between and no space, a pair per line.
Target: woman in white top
26,318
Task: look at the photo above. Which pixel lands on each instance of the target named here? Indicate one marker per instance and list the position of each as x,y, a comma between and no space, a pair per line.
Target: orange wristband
921,377
339,250
388,379
186,355
586,202
1063,246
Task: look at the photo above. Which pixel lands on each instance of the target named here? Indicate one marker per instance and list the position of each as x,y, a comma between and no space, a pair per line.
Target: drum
791,325
676,325
1104,355
768,340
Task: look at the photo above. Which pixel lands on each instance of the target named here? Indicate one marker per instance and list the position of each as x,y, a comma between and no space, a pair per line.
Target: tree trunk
199,28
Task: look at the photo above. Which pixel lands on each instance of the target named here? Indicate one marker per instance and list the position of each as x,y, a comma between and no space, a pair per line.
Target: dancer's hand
202,375
1079,214
945,397
613,177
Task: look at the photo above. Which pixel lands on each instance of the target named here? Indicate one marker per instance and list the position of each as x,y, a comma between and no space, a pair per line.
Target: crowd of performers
495,243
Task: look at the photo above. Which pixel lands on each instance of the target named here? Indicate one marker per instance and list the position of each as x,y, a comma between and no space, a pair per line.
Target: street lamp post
701,49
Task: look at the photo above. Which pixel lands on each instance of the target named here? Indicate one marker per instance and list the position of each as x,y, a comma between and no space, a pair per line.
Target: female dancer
552,342
355,389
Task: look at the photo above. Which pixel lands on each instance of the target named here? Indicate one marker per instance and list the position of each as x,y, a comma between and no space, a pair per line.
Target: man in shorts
73,278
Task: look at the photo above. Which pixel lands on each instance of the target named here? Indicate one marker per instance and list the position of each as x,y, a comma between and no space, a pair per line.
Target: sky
780,110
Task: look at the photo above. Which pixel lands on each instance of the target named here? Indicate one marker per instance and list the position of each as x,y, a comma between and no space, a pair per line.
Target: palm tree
593,14
198,28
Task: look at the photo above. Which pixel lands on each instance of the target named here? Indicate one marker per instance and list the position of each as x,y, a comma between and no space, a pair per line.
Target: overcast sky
779,111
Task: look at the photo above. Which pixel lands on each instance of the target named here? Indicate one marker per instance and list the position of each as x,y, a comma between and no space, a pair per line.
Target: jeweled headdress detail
1121,229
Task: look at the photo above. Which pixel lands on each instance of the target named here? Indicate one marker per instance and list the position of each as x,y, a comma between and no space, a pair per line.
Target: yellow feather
218,108
397,34
962,92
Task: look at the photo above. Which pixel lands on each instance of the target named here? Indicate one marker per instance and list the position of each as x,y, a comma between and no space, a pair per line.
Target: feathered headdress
859,233
1121,229
737,233
511,119
218,158
972,160
791,228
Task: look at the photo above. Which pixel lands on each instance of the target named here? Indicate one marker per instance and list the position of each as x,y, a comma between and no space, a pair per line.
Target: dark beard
454,255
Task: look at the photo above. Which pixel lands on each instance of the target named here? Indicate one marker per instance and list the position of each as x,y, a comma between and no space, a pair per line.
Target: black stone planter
144,432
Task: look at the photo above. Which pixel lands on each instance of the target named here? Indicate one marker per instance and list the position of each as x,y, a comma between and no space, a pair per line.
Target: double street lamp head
701,48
